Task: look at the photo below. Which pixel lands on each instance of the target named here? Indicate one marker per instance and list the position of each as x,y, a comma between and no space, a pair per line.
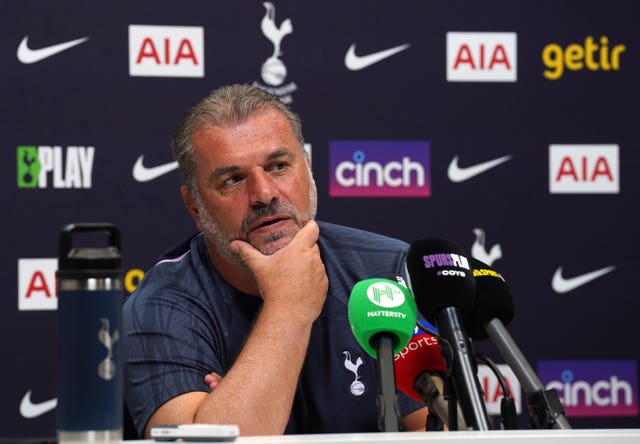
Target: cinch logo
492,390
166,51
593,388
37,288
382,169
53,166
584,169
482,57
575,57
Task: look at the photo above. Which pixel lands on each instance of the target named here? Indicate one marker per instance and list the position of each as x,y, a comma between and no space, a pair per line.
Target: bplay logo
482,57
55,166
166,51
379,169
593,388
594,55
584,169
493,392
37,288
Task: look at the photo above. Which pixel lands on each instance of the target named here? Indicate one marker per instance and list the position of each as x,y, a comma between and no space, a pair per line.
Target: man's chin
273,243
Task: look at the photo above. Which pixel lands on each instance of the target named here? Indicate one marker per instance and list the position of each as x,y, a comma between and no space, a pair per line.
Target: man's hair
232,104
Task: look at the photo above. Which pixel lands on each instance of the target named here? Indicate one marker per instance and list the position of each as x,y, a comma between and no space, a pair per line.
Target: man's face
254,184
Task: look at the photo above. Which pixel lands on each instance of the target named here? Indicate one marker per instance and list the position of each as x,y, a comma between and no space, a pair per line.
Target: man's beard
221,239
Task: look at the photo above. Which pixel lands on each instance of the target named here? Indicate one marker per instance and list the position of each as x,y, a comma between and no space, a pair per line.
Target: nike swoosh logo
30,410
143,174
27,55
563,285
457,174
355,62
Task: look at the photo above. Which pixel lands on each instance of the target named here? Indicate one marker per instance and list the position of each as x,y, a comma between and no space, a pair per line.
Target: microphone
442,281
416,365
494,309
382,315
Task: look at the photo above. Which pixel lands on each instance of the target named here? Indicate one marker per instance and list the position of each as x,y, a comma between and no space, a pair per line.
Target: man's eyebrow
222,171
279,153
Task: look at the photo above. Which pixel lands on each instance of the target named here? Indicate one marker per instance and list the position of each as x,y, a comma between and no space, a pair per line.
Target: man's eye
232,180
279,166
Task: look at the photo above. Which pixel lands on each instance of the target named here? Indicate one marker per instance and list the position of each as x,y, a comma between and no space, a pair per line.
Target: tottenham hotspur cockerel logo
357,387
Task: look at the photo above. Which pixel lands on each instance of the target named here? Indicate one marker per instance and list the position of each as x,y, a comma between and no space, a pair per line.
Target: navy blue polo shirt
185,321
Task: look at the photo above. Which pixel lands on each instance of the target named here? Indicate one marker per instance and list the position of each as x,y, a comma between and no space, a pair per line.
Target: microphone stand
465,378
544,405
388,411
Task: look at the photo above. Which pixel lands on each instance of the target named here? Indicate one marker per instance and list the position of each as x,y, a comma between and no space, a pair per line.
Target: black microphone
442,282
492,311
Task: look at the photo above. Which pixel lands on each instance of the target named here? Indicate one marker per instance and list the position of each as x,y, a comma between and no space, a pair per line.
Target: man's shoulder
181,269
343,237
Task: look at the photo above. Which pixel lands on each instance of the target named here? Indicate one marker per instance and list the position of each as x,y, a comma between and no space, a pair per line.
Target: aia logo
493,391
166,51
584,169
482,57
37,288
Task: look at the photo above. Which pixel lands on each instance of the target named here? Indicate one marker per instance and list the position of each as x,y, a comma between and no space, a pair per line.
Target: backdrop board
506,127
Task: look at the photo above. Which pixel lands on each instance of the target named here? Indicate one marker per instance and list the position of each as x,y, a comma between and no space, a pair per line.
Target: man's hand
293,278
212,380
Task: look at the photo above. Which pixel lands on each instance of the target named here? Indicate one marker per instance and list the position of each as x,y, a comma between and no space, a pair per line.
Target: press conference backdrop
510,128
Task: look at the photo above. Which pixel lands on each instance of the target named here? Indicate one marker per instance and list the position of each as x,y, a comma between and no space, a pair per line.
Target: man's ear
190,203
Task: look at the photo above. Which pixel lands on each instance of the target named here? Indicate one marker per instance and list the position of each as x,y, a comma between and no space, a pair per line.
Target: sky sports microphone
382,315
492,311
419,369
443,285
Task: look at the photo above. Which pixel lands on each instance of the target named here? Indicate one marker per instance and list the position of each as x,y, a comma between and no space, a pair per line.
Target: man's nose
262,188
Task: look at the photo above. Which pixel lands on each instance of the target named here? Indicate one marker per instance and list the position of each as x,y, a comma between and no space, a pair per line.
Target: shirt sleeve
168,349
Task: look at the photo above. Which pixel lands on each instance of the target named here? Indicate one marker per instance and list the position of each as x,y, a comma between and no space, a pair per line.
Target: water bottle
90,296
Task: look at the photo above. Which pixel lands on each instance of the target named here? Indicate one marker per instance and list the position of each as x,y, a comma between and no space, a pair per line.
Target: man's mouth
268,222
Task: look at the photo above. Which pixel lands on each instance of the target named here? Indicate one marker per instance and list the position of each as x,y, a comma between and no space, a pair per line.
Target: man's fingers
245,251
308,234
212,380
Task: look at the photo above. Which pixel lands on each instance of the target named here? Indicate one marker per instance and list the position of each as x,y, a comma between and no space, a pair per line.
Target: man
255,305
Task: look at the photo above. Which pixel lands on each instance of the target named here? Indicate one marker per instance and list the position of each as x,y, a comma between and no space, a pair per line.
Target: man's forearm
257,393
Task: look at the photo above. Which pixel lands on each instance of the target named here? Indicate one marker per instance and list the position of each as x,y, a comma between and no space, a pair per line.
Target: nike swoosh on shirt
563,285
355,62
30,410
457,174
27,55
143,174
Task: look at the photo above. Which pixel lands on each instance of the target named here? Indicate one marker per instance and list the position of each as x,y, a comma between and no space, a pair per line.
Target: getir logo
37,288
166,51
492,390
593,55
379,169
593,388
584,169
482,57
54,166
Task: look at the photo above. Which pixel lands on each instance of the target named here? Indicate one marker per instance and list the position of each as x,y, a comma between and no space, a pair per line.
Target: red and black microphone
416,366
